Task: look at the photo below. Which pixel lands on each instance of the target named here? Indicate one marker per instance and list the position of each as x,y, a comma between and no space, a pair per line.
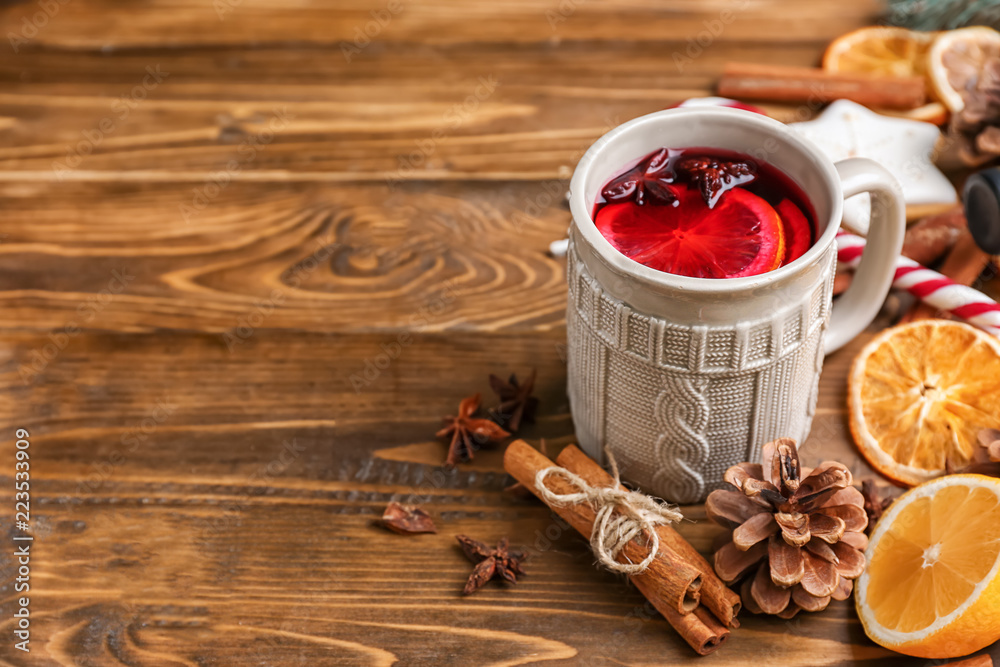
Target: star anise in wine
647,181
499,562
516,401
714,176
467,432
875,504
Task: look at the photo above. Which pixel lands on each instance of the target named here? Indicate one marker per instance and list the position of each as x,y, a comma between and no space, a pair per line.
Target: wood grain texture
242,275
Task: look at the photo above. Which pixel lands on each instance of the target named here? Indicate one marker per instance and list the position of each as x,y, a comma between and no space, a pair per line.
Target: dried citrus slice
884,50
955,59
932,585
919,393
741,235
932,112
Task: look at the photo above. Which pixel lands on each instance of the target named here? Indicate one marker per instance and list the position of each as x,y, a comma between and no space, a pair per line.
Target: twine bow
621,517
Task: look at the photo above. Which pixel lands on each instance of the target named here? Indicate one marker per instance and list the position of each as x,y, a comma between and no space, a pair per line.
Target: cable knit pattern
682,413
678,405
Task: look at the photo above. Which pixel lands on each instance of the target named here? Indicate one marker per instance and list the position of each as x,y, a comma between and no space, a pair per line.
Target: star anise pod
875,504
516,401
797,537
468,433
714,176
407,519
647,181
499,562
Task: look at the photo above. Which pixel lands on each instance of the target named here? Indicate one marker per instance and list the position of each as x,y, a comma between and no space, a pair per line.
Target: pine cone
797,536
976,128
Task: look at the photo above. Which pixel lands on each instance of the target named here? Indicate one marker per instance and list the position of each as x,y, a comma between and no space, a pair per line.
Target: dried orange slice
919,393
955,59
884,50
932,585
932,112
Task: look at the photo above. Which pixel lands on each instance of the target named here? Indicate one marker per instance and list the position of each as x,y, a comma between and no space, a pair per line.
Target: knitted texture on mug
678,405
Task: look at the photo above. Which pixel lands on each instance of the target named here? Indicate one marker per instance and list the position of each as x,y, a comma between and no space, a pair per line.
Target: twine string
622,516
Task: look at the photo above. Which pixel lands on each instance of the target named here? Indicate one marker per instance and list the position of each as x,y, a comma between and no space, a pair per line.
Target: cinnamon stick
978,661
964,263
715,595
700,630
928,239
669,582
808,84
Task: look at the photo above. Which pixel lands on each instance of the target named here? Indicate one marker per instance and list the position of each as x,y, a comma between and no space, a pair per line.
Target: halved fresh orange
741,235
884,50
955,60
932,585
919,393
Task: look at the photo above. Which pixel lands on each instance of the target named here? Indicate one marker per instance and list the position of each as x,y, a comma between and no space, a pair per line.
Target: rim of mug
581,209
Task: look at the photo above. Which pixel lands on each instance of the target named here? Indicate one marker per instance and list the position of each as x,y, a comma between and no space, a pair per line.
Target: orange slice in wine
741,236
798,230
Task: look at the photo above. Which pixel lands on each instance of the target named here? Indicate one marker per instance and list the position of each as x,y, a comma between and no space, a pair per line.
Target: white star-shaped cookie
902,146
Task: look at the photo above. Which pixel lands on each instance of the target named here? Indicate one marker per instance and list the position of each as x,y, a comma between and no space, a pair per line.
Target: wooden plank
172,396
340,394
346,258
394,118
283,579
80,25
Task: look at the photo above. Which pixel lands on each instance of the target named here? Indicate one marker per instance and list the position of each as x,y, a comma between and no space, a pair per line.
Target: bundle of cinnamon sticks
679,582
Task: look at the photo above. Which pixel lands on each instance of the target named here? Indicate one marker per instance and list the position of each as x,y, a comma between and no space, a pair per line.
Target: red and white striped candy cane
933,288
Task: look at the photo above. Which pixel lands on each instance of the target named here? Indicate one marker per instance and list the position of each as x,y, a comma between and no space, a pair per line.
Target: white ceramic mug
682,377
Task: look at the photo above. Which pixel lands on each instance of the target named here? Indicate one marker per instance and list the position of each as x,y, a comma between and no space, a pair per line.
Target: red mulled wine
705,213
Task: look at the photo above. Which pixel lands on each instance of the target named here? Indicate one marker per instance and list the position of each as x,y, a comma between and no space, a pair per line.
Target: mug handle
858,306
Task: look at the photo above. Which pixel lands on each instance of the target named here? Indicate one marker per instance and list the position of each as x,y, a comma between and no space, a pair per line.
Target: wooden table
217,217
